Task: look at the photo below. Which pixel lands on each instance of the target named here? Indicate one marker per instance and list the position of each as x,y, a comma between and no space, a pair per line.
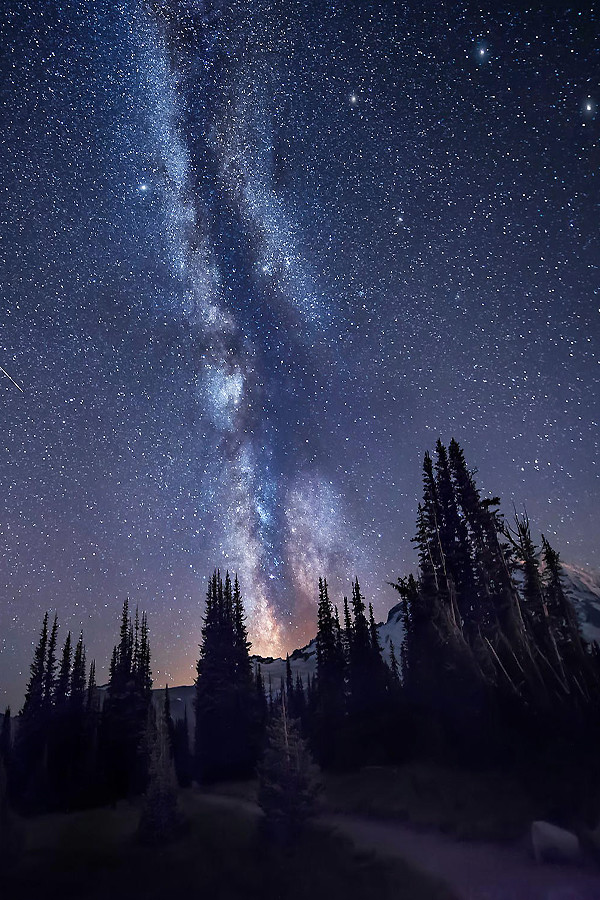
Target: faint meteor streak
10,378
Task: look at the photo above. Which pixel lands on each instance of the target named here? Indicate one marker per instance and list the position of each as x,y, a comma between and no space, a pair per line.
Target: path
474,871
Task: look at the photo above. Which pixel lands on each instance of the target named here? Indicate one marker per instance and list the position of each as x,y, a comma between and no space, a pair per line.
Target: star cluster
257,257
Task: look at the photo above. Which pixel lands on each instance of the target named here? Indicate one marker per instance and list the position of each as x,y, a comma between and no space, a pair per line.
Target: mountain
583,588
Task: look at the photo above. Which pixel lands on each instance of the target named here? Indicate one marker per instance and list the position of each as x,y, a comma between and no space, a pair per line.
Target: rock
553,844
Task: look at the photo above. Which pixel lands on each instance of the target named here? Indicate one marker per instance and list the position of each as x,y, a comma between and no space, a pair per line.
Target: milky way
257,257
252,308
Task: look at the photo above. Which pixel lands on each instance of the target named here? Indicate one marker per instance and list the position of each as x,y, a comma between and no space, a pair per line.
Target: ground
220,855
468,829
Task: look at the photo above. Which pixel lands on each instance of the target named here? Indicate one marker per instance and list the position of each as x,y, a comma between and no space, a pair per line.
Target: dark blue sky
256,258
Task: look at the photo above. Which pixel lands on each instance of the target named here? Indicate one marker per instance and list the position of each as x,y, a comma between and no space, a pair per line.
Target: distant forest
493,672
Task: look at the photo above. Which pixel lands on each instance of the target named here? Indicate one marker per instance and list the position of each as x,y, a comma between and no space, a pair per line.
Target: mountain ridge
582,587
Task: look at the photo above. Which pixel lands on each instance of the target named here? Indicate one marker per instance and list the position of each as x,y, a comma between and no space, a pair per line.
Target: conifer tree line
49,758
493,656
492,666
353,701
75,746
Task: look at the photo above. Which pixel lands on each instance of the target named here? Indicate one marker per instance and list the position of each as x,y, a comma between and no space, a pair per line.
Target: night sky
256,257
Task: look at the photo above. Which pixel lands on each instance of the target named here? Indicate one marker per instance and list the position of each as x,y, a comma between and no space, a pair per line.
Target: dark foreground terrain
220,854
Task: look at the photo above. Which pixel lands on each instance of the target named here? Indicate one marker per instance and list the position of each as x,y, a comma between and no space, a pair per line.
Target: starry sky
256,257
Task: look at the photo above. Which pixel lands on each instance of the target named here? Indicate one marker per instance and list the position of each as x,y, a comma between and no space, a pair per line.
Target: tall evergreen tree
34,695
63,682
125,709
362,666
288,782
461,580
330,688
60,732
31,738
227,713
503,611
50,666
91,693
347,635
576,661
78,679
537,620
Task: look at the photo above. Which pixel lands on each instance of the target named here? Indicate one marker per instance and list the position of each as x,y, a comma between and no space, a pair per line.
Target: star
292,276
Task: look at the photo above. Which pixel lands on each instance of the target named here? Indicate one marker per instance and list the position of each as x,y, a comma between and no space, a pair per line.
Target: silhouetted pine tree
31,740
125,709
347,633
77,716
359,662
50,665
452,532
91,785
288,783
34,694
450,652
539,630
59,732
91,699
227,713
329,689
63,682
78,679
366,669
503,619
565,627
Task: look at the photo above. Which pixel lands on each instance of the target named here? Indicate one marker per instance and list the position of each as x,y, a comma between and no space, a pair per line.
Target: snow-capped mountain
583,588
